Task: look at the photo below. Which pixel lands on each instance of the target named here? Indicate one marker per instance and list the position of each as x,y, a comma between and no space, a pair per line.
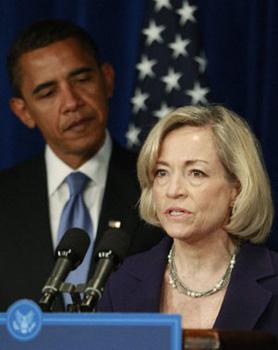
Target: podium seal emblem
24,320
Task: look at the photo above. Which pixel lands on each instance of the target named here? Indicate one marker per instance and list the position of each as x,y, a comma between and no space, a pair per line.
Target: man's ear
109,78
18,106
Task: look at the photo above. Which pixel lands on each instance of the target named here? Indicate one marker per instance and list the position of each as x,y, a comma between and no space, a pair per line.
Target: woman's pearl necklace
177,283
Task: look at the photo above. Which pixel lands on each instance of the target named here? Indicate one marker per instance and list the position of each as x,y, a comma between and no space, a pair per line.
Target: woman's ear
235,192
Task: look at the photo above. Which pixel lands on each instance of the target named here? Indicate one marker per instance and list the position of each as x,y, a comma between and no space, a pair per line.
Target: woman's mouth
177,212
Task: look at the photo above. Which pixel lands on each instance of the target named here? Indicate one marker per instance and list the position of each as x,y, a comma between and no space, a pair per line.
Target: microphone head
73,245
115,240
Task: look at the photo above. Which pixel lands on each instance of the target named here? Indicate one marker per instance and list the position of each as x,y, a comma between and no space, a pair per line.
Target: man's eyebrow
80,71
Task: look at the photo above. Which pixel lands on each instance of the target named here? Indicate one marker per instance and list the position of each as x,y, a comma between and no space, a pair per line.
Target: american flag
171,70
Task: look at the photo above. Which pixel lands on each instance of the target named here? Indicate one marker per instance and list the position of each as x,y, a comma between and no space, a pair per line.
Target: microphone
109,254
69,255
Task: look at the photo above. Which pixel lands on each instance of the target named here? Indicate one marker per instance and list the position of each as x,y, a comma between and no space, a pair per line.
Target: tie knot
77,181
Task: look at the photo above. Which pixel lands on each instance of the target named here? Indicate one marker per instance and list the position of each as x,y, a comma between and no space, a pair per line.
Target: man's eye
46,94
83,78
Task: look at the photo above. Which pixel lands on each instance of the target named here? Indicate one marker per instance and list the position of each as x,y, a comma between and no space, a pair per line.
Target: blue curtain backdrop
241,43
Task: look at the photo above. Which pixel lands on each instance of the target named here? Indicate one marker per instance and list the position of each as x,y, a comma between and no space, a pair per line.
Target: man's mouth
78,124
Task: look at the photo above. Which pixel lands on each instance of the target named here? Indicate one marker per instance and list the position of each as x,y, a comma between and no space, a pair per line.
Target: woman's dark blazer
251,300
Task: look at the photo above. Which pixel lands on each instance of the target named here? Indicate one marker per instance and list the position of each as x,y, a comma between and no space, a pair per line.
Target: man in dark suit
61,87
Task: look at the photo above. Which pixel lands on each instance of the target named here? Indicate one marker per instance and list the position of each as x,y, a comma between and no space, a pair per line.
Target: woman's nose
176,186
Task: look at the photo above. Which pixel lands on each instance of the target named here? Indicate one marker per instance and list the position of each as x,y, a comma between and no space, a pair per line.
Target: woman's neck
201,263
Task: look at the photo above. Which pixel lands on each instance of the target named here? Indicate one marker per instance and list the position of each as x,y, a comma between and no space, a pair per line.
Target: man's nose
71,98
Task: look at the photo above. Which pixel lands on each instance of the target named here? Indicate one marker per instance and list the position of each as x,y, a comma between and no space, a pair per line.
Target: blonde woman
203,181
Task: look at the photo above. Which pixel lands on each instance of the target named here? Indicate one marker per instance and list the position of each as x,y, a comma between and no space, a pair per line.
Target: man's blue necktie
76,214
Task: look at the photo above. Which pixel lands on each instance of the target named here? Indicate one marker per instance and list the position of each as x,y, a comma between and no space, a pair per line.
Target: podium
25,327
208,339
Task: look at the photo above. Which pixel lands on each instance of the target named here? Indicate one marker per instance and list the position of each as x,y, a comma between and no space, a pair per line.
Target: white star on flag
138,101
179,46
159,4
202,61
171,80
198,93
170,68
153,33
145,67
163,111
186,13
132,136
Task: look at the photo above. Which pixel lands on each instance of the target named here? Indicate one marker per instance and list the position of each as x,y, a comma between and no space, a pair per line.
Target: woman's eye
160,173
197,173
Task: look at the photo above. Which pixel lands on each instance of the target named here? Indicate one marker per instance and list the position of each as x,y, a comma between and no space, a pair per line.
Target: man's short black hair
41,34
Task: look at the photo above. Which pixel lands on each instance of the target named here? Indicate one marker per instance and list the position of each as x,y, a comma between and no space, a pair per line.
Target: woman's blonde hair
240,154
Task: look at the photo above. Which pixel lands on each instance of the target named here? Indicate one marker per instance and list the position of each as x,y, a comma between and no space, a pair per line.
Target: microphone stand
75,292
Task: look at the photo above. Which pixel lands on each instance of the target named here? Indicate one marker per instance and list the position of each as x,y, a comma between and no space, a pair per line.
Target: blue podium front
25,326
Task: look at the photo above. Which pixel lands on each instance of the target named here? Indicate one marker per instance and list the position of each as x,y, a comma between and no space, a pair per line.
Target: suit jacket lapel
42,223
246,299
121,192
146,279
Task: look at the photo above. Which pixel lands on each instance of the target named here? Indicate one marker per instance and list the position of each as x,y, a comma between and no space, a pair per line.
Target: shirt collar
95,168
